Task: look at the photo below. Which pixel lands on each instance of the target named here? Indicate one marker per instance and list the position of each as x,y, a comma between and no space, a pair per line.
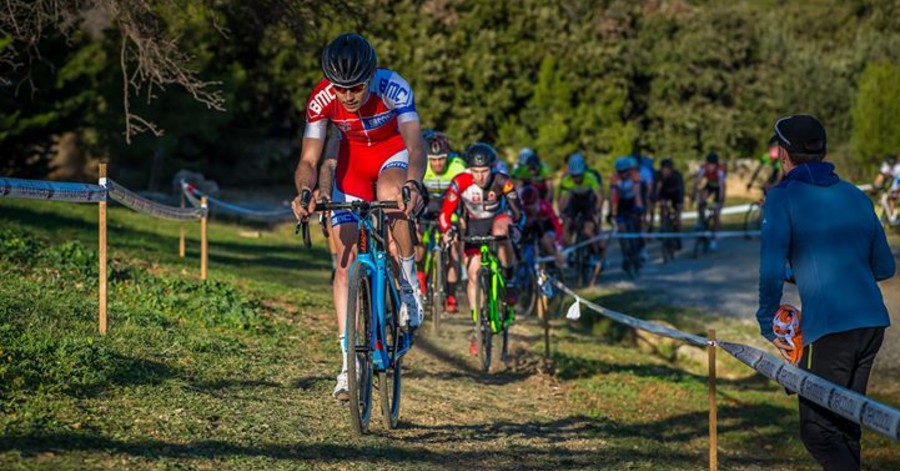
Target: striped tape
192,193
851,405
140,204
54,191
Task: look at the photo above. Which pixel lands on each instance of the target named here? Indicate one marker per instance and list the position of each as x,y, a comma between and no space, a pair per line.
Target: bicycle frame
491,263
373,259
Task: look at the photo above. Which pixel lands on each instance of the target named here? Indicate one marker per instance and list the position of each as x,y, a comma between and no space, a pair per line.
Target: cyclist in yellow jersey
443,165
580,200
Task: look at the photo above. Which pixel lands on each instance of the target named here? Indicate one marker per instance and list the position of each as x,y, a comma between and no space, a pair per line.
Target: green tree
876,108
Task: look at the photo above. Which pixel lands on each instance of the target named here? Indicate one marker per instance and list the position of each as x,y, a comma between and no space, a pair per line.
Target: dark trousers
845,359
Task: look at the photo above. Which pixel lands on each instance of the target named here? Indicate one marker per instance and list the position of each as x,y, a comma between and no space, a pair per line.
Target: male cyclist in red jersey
542,224
381,151
712,173
490,207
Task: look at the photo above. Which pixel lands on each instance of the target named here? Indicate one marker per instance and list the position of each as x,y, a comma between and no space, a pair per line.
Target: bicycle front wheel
389,379
358,331
483,333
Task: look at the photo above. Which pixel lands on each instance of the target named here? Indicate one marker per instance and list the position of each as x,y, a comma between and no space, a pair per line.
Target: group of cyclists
376,150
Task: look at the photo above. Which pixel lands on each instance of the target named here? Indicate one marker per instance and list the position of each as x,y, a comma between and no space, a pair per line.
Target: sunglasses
354,89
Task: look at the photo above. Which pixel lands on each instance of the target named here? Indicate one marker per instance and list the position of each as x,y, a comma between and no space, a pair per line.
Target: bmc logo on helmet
321,100
396,92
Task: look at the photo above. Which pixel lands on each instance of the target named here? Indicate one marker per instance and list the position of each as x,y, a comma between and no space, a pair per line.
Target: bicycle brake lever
406,196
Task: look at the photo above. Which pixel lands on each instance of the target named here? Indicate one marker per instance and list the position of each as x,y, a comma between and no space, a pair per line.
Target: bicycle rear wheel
359,340
526,281
389,379
483,333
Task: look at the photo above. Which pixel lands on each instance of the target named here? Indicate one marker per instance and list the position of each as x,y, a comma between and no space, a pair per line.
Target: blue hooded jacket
826,229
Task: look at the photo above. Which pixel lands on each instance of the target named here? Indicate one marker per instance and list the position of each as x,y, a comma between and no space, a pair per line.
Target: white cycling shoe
341,389
410,307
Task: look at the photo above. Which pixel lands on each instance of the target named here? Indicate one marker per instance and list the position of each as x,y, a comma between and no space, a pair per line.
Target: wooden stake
713,435
204,252
545,323
101,224
181,232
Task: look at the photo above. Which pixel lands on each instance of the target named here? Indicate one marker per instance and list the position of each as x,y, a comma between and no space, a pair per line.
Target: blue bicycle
373,333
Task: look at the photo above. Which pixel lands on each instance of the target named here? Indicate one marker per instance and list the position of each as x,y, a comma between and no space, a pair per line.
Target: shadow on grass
570,367
578,442
460,367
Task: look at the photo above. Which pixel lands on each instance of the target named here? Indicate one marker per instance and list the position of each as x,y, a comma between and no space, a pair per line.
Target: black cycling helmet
349,60
712,158
481,155
437,145
667,163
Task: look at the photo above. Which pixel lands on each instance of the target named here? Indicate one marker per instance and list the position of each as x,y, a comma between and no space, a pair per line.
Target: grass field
236,372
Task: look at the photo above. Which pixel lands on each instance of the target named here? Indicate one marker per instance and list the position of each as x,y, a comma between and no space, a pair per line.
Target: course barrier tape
140,204
634,322
851,405
192,193
55,191
738,209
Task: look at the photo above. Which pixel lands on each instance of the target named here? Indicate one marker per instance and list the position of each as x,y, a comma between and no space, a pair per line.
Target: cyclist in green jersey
530,170
768,159
443,165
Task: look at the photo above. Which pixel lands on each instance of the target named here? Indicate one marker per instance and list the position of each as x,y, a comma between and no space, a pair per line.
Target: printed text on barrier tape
55,191
140,204
849,404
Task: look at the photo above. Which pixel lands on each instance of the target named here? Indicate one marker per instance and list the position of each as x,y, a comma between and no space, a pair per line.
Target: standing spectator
826,230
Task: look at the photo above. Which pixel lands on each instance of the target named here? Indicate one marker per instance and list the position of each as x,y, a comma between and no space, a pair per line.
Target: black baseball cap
801,134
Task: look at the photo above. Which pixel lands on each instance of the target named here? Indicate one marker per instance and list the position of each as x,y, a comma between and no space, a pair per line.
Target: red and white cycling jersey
714,174
370,137
479,203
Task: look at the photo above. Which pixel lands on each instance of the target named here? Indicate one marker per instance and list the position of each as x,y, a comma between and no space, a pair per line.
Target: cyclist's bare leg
388,189
505,253
452,275
473,263
701,205
717,216
344,237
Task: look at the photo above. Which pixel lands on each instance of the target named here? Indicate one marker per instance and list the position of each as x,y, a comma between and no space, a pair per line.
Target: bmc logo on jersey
321,100
396,92
377,121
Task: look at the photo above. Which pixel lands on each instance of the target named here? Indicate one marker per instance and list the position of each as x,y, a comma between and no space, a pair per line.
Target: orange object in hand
786,326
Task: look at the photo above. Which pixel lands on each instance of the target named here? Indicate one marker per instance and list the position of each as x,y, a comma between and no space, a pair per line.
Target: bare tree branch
148,58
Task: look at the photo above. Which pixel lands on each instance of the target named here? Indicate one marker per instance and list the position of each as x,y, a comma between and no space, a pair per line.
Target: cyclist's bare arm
329,163
755,174
305,175
415,145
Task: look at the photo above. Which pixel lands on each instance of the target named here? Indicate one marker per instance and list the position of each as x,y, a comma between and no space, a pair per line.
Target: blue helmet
625,163
528,157
577,165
